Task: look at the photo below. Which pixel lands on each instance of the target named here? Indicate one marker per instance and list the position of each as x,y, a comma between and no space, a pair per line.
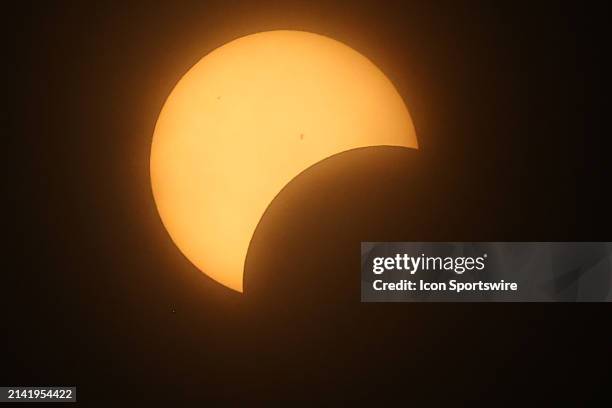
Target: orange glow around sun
247,119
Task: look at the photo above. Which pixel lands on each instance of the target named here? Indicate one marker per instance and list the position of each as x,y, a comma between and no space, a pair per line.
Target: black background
510,121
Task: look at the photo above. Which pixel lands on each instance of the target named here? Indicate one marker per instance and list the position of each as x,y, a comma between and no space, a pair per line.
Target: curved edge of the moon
289,182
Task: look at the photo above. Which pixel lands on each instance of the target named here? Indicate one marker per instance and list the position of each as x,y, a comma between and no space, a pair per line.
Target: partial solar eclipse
248,118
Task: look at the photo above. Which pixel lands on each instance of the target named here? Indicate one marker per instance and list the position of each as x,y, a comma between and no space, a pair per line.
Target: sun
247,119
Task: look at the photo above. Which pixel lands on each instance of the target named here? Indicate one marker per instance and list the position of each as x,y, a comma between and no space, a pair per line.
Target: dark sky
509,118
